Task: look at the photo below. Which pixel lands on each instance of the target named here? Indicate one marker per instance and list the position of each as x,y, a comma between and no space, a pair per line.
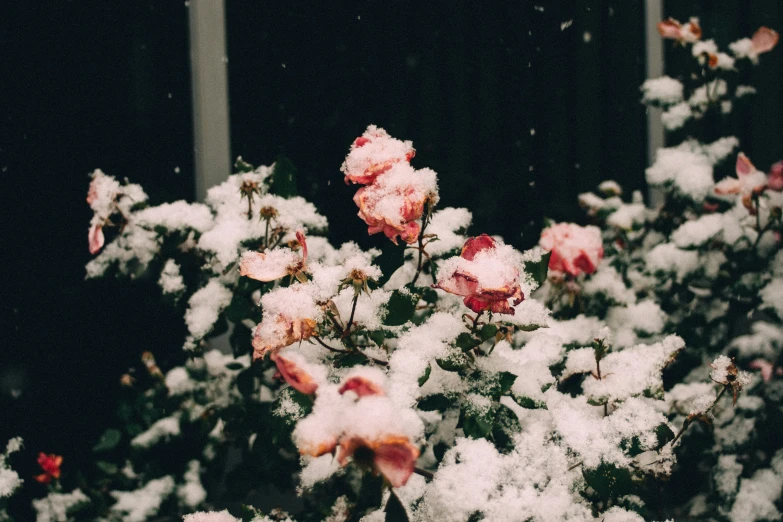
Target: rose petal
299,379
775,178
670,28
474,245
95,238
395,458
302,241
743,166
764,40
266,267
361,386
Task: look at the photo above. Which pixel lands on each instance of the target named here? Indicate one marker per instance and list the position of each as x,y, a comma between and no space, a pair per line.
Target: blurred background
519,107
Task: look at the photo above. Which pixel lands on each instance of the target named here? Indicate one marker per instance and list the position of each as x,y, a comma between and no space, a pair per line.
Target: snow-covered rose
373,153
485,274
278,331
575,249
277,263
392,456
396,199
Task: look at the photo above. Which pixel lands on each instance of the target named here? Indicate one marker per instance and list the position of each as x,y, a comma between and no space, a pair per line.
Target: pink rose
485,274
396,199
574,249
373,153
688,33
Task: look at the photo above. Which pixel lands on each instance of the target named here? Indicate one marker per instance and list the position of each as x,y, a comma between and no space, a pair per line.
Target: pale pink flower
396,199
683,33
574,249
768,370
748,179
278,331
95,238
393,456
276,263
373,153
764,40
295,375
484,274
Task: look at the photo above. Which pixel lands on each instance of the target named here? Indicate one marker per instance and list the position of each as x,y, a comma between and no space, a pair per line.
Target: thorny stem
475,320
689,421
421,250
249,207
330,348
424,473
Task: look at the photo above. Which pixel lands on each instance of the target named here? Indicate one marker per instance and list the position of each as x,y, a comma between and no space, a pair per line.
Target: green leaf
246,382
239,308
425,376
477,425
235,366
349,360
528,403
437,402
455,361
378,337
466,341
106,467
530,327
395,511
391,258
400,307
538,269
608,480
429,295
241,340
507,380
108,440
664,434
283,178
505,426
488,331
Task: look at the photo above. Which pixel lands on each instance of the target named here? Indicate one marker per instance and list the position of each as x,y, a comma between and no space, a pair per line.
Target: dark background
515,109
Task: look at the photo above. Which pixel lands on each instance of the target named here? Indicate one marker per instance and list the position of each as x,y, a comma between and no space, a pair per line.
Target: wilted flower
485,274
725,372
277,263
687,33
574,249
278,331
393,456
373,153
50,464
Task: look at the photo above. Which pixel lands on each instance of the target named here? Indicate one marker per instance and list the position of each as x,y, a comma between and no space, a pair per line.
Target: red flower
373,153
485,274
574,249
50,464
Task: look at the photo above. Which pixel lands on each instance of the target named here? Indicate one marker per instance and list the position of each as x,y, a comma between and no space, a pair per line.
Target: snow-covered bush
707,265
428,381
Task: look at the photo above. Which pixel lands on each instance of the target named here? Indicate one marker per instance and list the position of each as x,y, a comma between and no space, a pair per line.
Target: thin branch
331,349
424,473
689,421
576,465
421,247
347,330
